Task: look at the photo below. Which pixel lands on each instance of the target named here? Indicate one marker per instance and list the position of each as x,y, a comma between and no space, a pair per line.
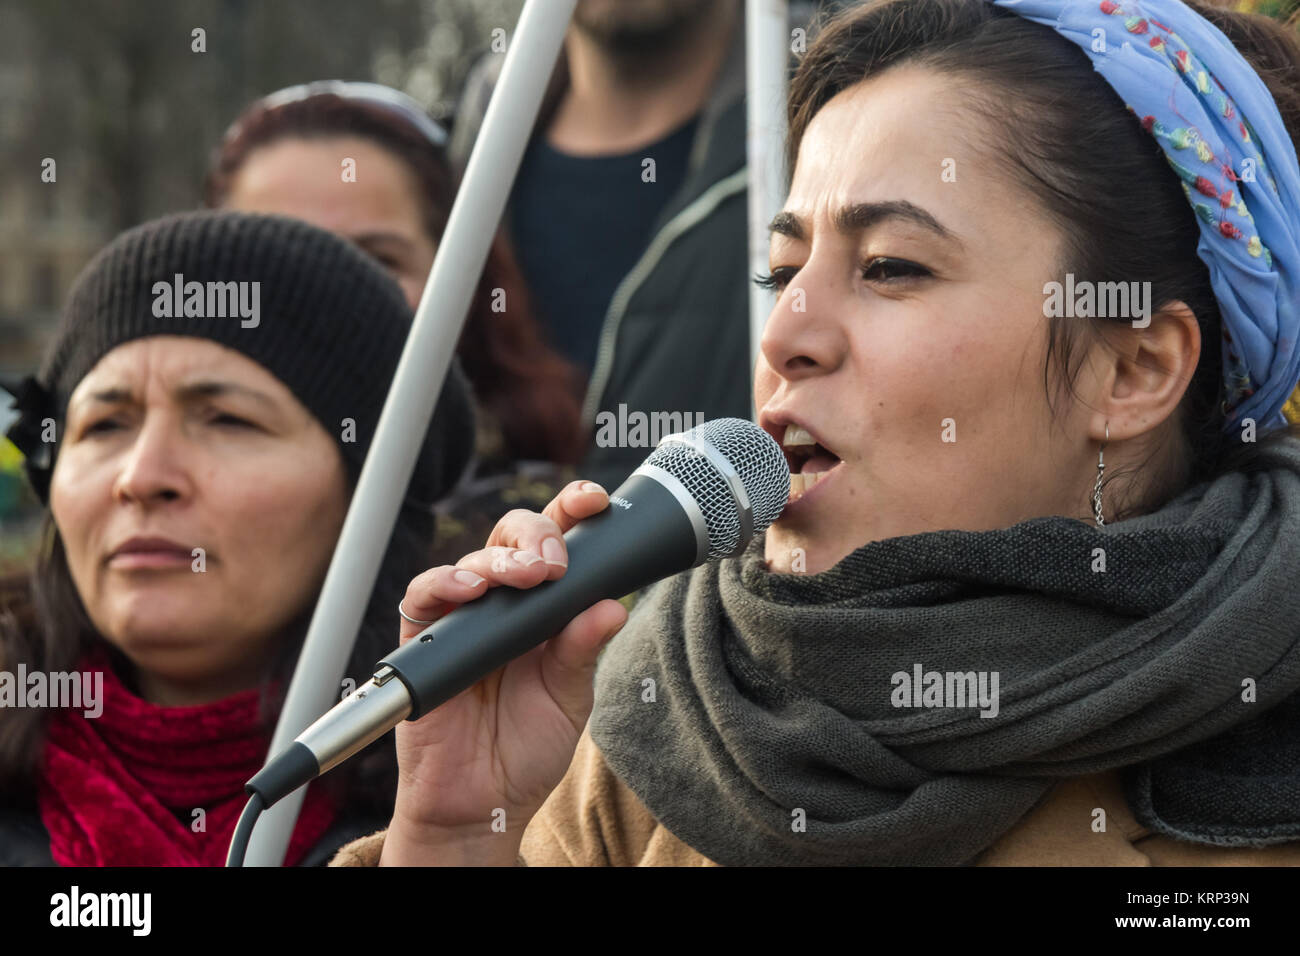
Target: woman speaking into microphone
1032,600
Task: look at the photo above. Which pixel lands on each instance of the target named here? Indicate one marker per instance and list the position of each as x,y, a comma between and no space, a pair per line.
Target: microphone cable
244,829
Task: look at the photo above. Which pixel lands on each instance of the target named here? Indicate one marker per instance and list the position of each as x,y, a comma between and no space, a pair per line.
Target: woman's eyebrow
188,392
864,215
364,239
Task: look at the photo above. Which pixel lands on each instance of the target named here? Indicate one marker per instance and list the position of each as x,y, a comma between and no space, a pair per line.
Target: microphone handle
611,554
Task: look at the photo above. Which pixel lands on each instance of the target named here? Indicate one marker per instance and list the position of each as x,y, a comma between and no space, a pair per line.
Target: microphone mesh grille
757,459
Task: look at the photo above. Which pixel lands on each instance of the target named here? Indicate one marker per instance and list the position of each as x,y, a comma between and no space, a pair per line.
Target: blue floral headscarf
1224,137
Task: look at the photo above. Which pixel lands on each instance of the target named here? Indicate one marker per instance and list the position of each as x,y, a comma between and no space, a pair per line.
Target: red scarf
120,789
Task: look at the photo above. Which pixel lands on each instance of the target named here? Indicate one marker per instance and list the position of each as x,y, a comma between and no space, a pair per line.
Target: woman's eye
387,260
107,424
885,270
880,269
777,280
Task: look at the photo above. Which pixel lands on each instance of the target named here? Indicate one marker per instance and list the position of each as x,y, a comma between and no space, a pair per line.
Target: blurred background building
118,95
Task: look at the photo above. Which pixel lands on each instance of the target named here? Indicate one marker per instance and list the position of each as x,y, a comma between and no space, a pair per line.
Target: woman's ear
1147,372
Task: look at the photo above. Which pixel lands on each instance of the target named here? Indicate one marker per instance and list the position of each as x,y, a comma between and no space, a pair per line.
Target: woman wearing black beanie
196,430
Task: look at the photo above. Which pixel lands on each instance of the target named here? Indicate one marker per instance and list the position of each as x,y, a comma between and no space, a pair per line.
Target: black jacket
675,338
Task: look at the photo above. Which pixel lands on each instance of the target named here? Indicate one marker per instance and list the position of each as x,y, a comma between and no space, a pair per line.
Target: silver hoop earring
1096,489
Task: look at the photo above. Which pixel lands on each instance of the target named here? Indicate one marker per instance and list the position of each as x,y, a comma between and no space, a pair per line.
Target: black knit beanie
330,324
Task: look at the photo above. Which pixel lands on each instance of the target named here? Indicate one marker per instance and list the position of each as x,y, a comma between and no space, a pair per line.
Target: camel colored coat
592,819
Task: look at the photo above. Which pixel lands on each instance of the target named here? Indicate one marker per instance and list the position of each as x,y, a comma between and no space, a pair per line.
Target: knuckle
520,516
423,581
476,558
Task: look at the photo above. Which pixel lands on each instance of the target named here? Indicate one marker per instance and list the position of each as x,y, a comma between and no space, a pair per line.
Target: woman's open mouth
810,461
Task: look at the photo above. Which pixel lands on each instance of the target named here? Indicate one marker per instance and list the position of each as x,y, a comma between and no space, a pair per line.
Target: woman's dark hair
44,625
1089,163
527,386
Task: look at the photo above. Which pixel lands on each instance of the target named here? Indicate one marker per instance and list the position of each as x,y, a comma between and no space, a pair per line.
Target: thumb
569,659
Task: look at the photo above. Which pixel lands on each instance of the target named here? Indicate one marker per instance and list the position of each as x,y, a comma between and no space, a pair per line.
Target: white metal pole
405,418
766,51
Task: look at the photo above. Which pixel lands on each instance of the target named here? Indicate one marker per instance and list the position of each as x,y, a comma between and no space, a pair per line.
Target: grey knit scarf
912,703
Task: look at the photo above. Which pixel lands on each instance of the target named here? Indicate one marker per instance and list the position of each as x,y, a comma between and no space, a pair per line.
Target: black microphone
701,495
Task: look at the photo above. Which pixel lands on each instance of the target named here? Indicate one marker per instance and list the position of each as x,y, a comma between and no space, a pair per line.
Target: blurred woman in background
365,162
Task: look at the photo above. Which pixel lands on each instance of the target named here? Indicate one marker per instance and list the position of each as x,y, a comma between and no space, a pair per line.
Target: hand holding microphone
506,742
506,705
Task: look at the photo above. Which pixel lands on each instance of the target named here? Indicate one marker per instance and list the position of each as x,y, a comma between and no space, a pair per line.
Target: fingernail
553,552
527,558
468,577
592,486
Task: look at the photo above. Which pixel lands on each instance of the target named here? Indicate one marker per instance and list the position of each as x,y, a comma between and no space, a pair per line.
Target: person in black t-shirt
629,213
615,150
